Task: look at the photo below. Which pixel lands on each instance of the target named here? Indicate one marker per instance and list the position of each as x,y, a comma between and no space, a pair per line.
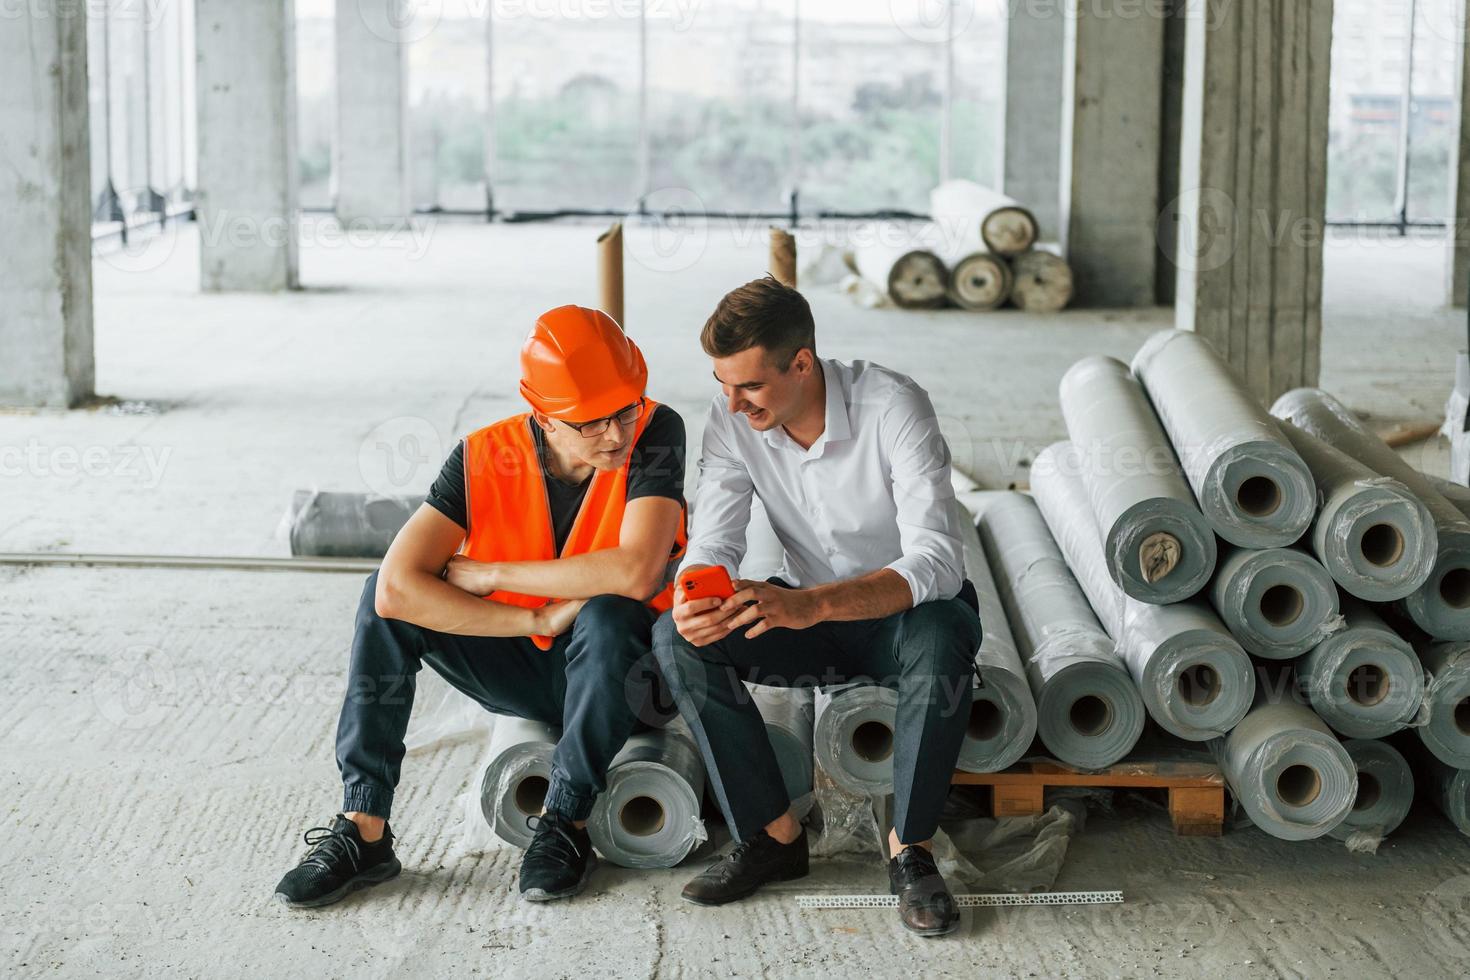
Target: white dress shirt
872,492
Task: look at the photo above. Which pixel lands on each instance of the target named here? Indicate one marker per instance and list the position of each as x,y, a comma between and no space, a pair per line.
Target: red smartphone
707,583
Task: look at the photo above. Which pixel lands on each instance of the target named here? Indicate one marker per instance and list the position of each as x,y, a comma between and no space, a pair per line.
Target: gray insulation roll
1385,790
1158,545
789,715
854,736
1441,606
1364,680
1002,710
515,783
1451,790
648,817
1278,602
1089,713
1250,483
1195,679
1447,696
346,525
1453,492
1288,771
1371,533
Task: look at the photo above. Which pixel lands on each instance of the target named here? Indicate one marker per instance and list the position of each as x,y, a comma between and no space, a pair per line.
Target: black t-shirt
656,470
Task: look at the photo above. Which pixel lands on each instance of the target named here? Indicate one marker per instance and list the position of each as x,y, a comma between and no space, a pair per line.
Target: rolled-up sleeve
721,501
933,561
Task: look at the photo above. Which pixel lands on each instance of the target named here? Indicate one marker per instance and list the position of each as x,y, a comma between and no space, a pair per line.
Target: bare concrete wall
1031,151
371,149
246,202
1254,185
46,356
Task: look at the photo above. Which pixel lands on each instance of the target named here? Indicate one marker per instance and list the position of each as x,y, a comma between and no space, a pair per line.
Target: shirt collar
838,422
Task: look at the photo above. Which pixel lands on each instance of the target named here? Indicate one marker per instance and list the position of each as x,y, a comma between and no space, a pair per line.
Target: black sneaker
924,903
338,864
558,861
750,864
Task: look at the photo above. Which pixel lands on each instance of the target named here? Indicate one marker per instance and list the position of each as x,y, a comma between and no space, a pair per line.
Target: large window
1385,165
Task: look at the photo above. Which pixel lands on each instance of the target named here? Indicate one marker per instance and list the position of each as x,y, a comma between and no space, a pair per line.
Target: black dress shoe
750,864
924,903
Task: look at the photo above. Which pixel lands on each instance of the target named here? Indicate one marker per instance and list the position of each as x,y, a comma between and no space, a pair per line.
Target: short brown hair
762,313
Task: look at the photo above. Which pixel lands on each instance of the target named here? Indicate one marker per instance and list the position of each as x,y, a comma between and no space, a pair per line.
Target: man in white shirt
854,474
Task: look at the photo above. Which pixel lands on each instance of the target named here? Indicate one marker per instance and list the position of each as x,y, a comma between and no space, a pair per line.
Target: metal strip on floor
963,901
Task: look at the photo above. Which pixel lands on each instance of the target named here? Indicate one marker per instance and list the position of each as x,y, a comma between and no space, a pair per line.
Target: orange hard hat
578,365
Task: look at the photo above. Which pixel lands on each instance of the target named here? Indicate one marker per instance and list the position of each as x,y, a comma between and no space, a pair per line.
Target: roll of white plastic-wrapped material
1089,713
963,208
1447,696
1002,710
1250,483
1385,790
1195,679
1278,602
790,717
648,817
515,783
1441,606
854,736
1159,546
1451,791
1364,680
1371,533
1288,771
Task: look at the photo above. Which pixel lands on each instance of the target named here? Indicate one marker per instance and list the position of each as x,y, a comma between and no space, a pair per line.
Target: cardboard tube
783,257
610,273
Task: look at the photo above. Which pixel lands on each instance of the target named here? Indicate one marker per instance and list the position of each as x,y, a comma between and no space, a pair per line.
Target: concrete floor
171,732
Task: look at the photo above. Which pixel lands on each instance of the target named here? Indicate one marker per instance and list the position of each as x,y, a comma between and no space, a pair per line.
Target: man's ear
804,360
543,420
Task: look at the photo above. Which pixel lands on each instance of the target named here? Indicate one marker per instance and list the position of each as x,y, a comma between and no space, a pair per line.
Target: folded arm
635,568
410,587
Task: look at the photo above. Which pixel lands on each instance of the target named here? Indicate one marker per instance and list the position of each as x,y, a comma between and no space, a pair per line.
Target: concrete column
45,214
371,168
1457,271
1031,131
1253,185
246,201
1113,60
1171,107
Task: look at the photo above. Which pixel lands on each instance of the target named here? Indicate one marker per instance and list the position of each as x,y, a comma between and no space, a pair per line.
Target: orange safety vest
510,515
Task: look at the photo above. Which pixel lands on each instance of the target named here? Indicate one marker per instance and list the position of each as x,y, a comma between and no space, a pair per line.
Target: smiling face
757,388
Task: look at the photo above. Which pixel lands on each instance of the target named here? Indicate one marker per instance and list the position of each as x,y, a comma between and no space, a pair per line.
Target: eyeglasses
595,428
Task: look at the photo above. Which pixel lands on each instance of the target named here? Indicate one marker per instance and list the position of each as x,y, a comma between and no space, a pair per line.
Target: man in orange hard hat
580,499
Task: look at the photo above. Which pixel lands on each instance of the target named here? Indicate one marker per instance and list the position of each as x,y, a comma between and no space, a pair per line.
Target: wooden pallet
1196,789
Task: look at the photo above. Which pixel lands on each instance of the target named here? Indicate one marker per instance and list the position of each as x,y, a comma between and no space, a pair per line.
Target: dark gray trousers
598,682
927,653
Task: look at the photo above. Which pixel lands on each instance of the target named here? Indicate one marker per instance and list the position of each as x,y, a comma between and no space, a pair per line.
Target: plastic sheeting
1364,680
1385,794
648,817
346,525
1371,533
1250,483
790,717
515,782
1089,713
1195,679
1441,606
854,736
963,208
1159,546
1288,771
1451,791
1446,733
1278,602
1002,710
